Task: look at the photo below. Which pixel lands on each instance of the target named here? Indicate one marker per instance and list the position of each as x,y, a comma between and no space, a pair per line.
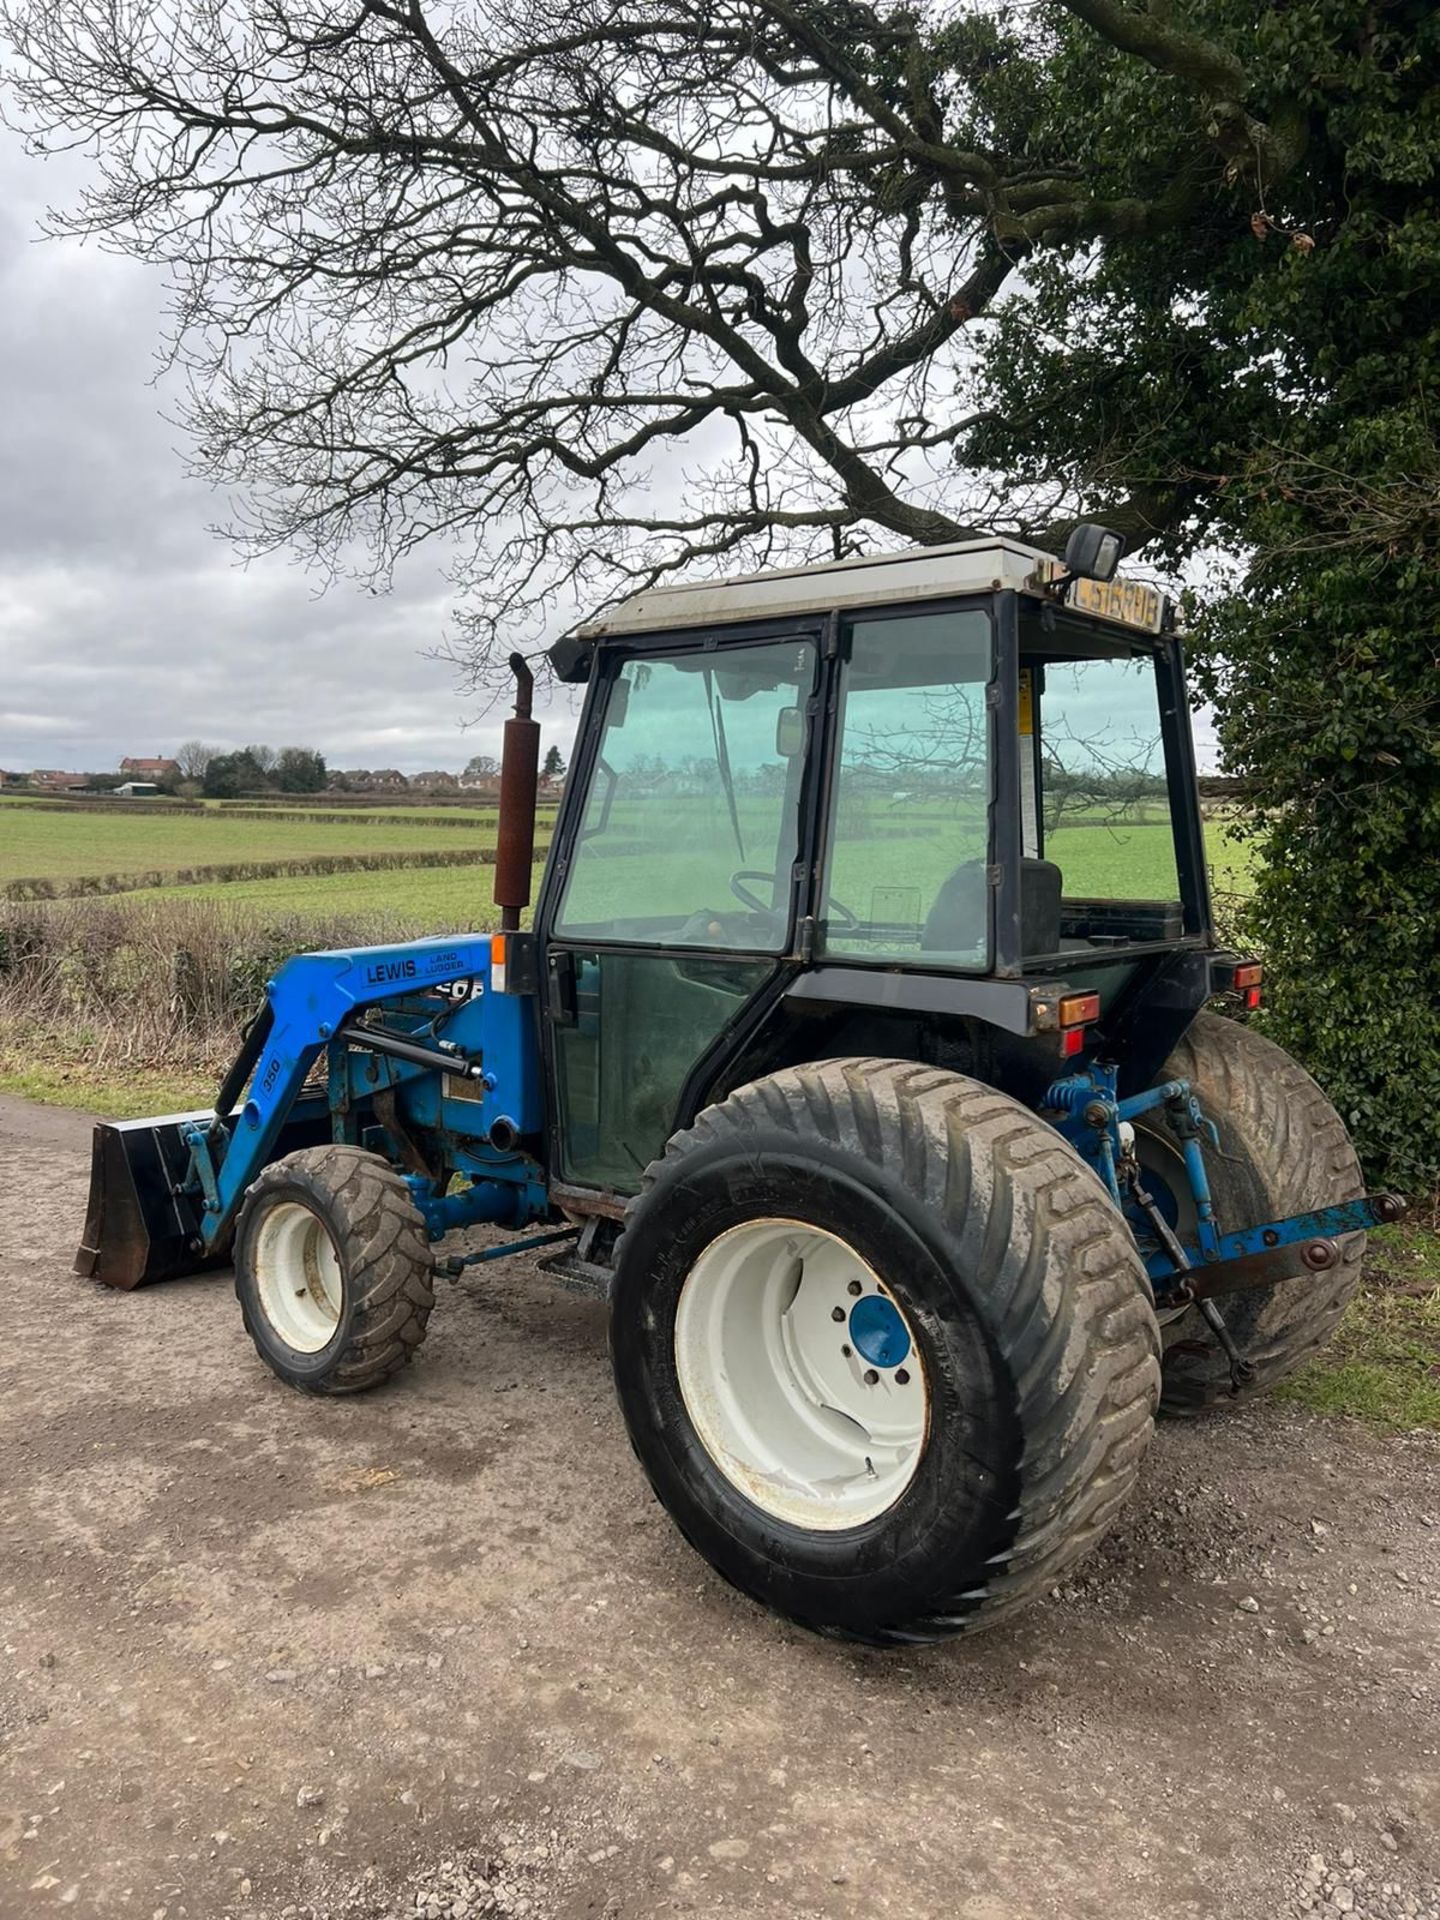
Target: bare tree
493,271
192,757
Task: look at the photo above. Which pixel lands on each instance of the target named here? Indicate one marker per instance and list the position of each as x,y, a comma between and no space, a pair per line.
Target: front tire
1283,1150
333,1270
965,1245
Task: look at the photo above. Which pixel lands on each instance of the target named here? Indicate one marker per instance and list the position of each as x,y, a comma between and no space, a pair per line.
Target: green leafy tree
228,776
1271,385
300,770
554,765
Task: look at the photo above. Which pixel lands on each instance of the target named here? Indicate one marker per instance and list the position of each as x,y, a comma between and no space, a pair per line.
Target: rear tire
1283,1150
333,1270
922,1198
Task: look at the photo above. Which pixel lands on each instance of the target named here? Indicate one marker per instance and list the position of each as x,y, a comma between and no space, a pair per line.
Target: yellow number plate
1128,601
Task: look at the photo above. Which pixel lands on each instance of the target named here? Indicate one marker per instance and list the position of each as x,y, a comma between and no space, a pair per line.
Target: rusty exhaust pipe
519,783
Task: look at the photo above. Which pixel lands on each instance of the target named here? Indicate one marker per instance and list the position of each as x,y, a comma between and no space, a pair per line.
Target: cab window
906,868
691,826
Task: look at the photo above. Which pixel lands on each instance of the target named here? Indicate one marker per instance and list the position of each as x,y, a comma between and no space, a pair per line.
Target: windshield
690,830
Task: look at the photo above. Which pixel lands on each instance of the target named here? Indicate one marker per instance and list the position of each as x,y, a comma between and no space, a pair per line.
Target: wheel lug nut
872,1378
902,1378
837,1313
856,1287
846,1352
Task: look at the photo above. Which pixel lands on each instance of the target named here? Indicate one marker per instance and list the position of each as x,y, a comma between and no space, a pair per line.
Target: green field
435,899
45,843
1098,858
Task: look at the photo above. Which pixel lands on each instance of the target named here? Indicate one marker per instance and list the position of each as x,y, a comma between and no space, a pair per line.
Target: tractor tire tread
389,1270
1068,1286
1297,1148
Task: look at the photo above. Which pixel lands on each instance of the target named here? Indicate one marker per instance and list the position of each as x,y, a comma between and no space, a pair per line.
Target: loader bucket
138,1226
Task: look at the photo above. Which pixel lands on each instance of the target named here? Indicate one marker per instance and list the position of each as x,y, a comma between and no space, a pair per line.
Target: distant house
368,780
433,780
54,781
13,779
137,789
481,783
155,770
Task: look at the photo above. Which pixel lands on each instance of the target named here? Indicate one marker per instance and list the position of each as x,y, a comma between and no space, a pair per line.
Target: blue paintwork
877,1332
312,996
1089,1097
1322,1223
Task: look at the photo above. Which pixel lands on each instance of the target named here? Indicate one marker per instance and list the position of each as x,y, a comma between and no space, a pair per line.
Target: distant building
137,789
483,783
13,779
156,770
433,780
368,780
54,781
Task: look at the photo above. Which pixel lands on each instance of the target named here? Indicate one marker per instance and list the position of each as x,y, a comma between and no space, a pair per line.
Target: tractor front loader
871,1052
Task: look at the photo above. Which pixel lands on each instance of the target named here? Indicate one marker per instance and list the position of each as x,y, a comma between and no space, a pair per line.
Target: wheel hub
800,1374
298,1276
879,1334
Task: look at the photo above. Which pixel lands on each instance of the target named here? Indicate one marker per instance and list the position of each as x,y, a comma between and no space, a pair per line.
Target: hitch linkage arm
1099,1124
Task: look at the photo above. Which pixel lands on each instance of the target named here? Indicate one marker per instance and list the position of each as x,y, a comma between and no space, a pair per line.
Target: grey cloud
125,626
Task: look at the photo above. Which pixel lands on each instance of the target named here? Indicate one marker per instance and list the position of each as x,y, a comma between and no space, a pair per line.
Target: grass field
433,899
41,843
1098,858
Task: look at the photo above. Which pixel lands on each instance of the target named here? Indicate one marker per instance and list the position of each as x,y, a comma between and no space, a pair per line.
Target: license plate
1130,602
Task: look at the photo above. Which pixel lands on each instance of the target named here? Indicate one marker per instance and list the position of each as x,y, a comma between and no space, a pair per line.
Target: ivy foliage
1268,375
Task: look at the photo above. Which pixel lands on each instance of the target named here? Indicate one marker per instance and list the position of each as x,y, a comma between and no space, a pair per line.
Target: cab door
683,857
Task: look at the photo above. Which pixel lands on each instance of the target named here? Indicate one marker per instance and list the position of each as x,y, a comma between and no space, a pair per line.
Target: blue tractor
871,1051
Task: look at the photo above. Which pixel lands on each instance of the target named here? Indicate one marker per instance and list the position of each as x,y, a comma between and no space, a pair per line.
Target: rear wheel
1283,1150
333,1269
884,1347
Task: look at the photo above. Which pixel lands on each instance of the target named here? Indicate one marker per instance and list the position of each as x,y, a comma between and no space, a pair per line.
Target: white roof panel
870,580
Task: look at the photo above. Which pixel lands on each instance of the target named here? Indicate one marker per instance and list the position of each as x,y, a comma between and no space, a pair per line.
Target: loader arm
309,1003
165,1193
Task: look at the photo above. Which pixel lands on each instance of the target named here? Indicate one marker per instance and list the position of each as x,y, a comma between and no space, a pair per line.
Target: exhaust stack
519,782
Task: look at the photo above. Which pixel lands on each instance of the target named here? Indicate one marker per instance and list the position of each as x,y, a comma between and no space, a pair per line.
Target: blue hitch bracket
1261,1256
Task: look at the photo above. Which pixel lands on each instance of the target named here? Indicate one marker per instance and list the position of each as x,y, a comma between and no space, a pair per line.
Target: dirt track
454,1613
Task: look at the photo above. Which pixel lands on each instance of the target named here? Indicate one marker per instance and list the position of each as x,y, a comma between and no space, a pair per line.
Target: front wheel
884,1346
333,1269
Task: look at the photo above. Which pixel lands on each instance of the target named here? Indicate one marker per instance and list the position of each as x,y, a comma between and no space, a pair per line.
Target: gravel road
438,1651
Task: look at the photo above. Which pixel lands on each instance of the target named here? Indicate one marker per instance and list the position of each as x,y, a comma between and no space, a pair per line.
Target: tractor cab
923,799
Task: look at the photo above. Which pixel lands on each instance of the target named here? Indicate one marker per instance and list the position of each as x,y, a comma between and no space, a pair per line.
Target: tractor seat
956,921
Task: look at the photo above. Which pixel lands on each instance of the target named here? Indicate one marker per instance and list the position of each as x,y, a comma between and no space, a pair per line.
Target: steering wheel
743,894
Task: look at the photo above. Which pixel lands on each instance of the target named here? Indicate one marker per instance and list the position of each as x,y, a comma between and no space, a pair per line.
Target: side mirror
1093,552
789,732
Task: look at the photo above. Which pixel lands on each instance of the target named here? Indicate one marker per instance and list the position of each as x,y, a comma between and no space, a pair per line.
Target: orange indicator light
1076,1009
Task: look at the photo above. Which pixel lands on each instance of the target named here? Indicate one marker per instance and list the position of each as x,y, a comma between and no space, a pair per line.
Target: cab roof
871,580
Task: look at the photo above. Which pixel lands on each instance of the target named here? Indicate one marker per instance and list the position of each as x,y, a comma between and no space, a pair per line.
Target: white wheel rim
788,1352
297,1276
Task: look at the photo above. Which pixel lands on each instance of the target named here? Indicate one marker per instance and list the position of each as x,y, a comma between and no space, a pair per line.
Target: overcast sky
125,627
